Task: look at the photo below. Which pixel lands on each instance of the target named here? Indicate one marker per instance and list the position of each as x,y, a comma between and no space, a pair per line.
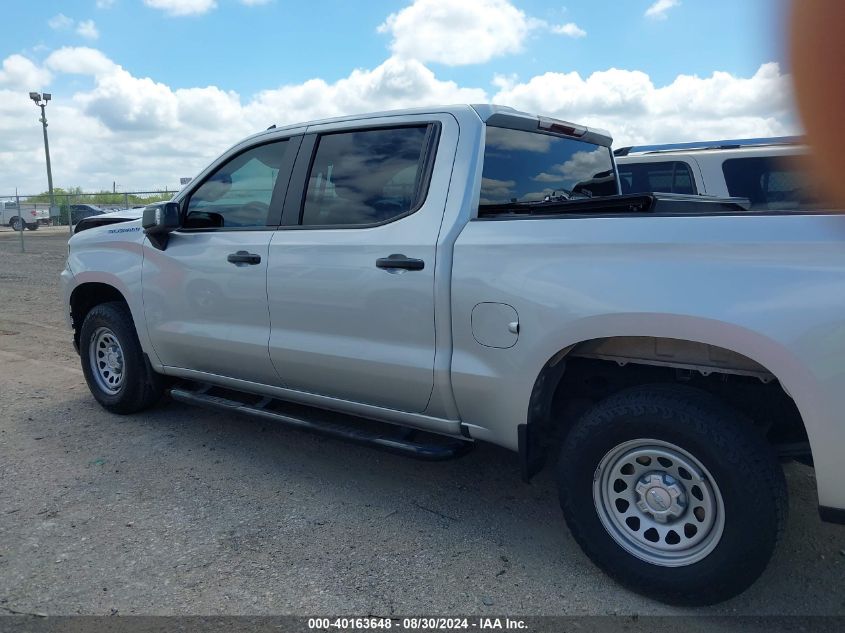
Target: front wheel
672,493
117,372
16,224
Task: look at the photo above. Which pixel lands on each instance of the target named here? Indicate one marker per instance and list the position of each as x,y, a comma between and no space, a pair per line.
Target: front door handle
401,262
242,257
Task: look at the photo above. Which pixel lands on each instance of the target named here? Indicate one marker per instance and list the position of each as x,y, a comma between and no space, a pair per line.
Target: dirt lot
181,510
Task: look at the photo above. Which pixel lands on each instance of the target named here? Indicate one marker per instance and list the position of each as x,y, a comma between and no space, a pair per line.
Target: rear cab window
673,176
526,167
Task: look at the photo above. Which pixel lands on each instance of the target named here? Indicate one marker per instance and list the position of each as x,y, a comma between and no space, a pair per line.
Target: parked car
80,211
425,279
29,215
767,171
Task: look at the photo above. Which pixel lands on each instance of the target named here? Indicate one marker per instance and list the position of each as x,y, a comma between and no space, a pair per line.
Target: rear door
205,295
351,276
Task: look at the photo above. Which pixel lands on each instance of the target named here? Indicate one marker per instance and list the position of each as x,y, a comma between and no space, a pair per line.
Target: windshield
527,167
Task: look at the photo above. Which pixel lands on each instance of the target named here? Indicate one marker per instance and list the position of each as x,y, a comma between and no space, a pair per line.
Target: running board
381,435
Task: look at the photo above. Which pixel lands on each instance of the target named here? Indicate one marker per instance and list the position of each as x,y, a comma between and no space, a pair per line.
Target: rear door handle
242,257
401,262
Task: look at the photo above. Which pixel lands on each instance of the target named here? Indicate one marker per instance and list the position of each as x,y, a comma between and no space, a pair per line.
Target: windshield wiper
620,204
527,205
557,197
563,195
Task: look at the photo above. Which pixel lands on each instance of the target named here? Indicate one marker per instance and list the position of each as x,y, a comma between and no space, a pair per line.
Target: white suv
767,171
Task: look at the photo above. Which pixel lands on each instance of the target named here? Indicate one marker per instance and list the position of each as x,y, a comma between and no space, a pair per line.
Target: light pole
42,103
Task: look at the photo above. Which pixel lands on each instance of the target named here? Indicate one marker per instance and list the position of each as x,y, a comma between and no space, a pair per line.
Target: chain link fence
23,213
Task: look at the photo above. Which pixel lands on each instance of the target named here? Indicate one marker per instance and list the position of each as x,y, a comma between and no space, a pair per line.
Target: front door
205,295
351,284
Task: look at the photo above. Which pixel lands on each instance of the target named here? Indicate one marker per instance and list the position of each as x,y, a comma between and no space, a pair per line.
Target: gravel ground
184,511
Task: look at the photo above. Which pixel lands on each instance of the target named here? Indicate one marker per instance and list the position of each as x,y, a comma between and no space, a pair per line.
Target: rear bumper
832,515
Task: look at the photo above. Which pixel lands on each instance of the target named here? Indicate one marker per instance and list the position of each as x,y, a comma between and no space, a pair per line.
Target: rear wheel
33,226
115,368
672,493
16,224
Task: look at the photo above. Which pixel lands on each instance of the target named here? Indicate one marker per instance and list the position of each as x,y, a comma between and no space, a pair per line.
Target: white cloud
182,7
457,33
143,133
60,22
660,8
396,83
580,166
504,82
79,60
636,111
105,4
20,73
496,191
501,139
570,29
83,28
87,29
465,32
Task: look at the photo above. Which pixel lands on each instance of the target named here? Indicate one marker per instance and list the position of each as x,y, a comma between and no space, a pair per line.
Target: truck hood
123,214
115,217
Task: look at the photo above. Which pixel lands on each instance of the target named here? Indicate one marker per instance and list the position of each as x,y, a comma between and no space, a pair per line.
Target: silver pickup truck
425,279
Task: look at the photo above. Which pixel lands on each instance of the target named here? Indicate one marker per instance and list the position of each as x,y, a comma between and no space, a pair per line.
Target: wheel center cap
661,495
113,359
658,499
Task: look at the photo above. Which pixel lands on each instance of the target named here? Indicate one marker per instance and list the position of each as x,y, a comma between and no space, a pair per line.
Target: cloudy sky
146,91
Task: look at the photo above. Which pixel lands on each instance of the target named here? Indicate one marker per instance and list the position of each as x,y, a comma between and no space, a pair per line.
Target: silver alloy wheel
106,358
658,502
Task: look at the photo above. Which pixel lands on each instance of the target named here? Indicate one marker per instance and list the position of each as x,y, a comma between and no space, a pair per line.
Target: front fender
113,259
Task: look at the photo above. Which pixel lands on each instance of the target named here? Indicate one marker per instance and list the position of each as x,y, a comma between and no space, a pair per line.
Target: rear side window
673,176
367,177
769,182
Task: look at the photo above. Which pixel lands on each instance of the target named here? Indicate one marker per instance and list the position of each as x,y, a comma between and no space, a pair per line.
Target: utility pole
41,101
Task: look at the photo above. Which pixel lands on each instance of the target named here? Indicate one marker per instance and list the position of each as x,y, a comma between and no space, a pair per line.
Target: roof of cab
501,116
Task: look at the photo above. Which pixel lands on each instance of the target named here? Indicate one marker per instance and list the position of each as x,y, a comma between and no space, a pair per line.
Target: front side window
238,194
776,183
366,177
521,166
672,176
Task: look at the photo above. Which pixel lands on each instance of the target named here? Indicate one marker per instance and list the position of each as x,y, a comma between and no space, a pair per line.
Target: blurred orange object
817,51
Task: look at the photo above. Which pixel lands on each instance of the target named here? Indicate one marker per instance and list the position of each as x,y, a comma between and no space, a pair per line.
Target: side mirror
159,221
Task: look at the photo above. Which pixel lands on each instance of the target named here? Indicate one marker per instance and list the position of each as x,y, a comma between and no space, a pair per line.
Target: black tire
15,224
32,227
140,386
746,474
